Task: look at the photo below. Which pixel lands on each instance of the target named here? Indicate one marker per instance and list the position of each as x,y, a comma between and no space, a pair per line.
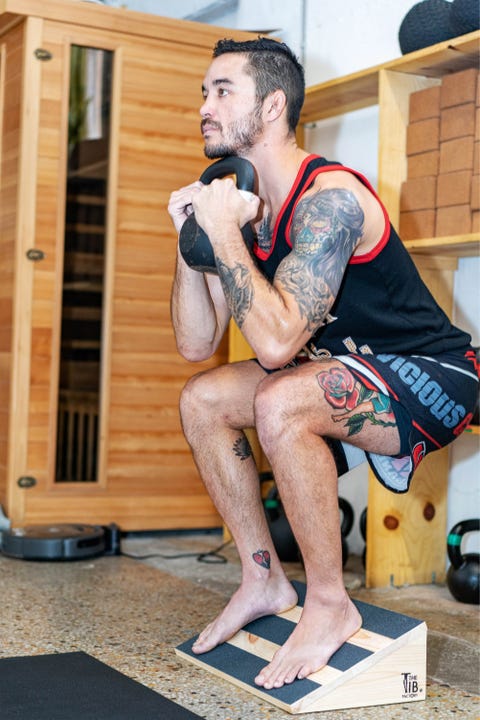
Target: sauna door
117,130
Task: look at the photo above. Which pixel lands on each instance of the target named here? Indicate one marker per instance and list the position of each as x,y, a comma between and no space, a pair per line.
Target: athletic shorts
432,398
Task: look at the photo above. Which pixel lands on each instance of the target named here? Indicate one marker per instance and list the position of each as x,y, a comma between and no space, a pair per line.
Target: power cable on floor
212,556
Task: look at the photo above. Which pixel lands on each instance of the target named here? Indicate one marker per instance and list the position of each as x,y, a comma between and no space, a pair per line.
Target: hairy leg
215,408
293,412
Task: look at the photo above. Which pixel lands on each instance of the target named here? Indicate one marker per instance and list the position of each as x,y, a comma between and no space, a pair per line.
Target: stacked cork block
441,195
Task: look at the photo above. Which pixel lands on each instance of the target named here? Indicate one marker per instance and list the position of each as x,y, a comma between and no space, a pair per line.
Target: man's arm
278,319
199,311
327,228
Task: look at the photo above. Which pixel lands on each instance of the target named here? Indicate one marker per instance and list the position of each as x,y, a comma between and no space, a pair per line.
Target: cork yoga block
454,188
459,88
457,121
417,224
418,193
424,104
423,135
456,154
453,220
423,164
475,193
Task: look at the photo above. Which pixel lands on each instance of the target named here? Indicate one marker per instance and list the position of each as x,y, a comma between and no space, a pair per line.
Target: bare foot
320,632
251,601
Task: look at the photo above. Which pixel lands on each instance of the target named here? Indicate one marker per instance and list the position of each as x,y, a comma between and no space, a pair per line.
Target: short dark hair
273,66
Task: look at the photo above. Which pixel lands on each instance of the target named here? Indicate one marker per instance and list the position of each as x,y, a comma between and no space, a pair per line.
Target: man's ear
274,105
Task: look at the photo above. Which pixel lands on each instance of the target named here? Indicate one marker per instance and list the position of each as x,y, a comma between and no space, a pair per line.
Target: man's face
231,116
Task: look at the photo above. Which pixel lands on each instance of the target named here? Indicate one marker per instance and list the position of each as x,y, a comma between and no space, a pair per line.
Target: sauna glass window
84,262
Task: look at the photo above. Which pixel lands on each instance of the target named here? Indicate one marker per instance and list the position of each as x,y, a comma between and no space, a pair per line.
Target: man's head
249,87
272,66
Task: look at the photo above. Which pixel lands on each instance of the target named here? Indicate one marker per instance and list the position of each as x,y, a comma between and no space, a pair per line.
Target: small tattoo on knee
242,449
262,557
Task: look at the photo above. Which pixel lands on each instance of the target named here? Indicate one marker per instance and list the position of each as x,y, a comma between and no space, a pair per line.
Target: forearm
194,317
265,315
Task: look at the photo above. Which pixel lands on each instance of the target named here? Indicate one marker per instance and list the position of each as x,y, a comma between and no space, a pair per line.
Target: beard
240,135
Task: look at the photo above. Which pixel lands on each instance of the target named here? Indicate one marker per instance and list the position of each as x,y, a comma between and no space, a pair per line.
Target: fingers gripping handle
194,243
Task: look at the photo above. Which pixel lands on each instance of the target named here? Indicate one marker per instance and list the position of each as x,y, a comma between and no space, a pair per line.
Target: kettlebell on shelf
463,576
193,241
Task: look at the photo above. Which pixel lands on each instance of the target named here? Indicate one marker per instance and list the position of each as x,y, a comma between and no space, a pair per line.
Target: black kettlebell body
282,536
345,526
280,530
363,532
463,576
194,243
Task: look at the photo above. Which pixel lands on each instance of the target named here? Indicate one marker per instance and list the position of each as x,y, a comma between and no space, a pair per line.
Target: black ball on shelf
426,23
464,16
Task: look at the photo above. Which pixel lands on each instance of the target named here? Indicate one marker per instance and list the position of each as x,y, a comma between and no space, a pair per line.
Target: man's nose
205,111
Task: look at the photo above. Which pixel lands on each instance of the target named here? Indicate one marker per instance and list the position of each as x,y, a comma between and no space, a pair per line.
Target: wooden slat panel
141,27
10,92
156,147
143,424
51,162
175,511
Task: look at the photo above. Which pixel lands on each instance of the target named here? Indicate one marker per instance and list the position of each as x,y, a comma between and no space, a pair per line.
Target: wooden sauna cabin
99,123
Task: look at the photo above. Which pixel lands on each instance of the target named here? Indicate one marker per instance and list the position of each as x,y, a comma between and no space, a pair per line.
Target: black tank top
383,304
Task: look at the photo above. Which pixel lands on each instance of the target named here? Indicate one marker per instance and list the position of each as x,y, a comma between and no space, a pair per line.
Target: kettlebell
345,526
363,533
463,576
280,530
194,243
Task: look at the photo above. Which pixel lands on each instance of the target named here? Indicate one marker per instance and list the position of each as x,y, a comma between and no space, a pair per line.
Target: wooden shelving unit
389,85
453,245
414,552
361,89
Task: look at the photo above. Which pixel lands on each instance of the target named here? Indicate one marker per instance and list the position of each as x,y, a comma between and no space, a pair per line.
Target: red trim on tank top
355,259
261,254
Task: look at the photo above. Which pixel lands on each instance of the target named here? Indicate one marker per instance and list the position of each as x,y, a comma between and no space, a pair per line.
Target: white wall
334,38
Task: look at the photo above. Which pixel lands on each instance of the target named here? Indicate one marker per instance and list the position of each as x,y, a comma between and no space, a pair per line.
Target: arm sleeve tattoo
325,231
238,288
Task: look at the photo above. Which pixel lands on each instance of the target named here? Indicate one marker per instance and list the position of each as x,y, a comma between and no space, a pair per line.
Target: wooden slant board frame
383,663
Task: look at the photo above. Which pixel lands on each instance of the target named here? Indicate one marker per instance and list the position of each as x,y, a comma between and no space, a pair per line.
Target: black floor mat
76,686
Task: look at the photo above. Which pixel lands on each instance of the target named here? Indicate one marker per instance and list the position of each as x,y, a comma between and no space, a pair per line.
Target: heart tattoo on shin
262,557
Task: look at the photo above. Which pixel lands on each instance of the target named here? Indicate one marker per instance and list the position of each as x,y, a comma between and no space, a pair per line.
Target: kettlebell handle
231,165
193,242
454,539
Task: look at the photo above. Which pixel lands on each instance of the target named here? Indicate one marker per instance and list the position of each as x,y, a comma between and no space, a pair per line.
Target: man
349,345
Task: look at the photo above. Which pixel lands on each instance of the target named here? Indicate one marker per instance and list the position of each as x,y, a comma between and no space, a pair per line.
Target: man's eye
222,92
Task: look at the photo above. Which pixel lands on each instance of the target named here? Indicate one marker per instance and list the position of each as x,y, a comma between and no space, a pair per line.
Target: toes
276,677
202,639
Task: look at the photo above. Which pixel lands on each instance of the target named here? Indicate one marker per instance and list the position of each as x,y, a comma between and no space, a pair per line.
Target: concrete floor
131,614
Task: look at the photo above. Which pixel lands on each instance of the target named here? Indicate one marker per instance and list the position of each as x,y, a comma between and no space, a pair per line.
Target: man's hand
180,203
220,204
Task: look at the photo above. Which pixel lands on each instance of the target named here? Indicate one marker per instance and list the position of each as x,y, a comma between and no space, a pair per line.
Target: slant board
383,663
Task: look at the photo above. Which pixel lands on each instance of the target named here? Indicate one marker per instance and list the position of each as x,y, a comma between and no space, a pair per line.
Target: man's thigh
332,402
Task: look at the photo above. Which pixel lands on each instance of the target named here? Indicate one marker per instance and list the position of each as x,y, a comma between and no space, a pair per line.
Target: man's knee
273,410
197,396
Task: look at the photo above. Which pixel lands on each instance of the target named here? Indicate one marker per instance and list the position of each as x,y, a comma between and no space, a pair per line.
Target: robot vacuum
54,542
